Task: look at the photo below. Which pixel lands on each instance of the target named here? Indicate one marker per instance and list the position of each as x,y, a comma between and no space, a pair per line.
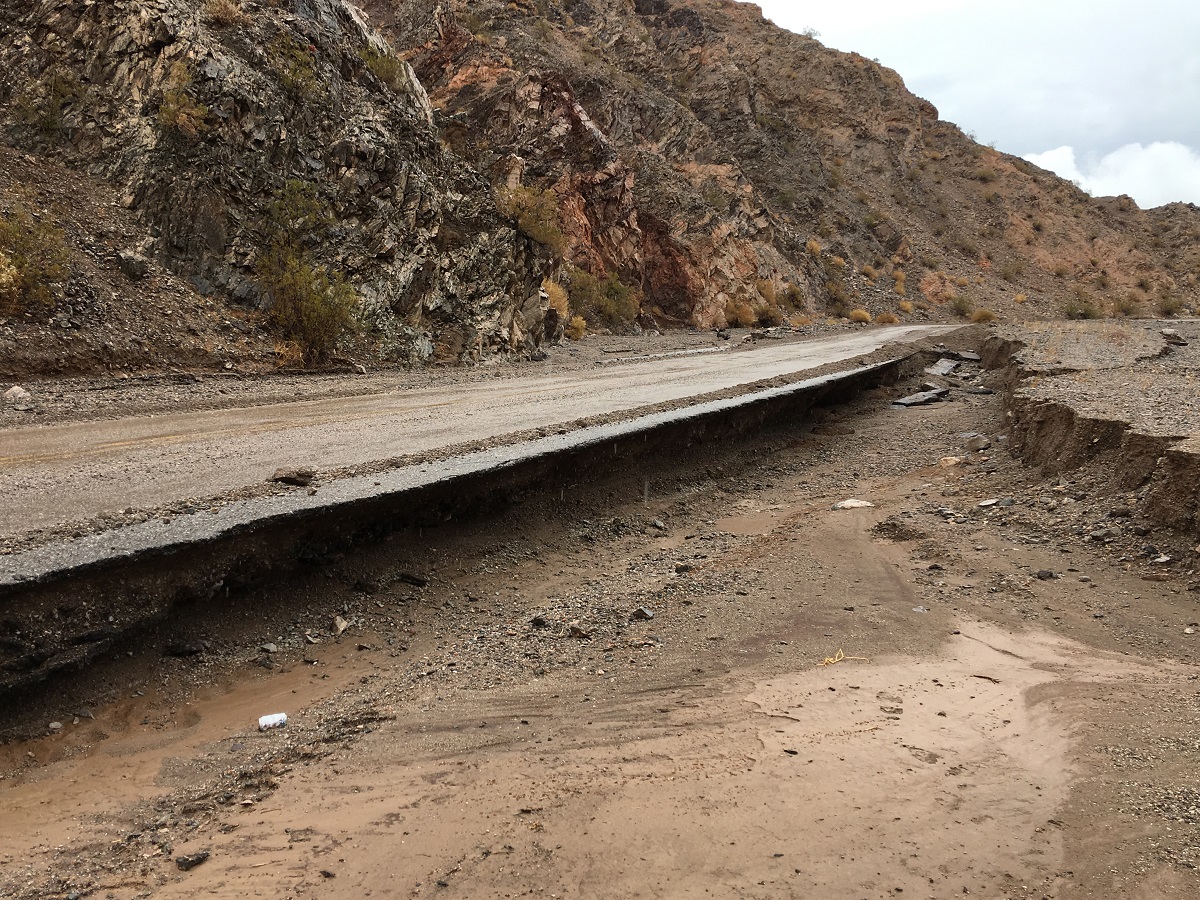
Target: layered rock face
716,161
202,122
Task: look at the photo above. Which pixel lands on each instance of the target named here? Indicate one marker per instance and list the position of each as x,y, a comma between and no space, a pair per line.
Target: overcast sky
1102,92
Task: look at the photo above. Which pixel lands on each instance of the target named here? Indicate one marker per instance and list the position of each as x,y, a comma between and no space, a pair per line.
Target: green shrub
387,68
961,306
535,214
306,302
1080,308
33,263
1169,305
604,301
224,13
295,66
179,112
43,104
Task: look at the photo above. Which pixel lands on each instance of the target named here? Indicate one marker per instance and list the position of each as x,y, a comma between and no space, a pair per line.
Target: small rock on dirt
299,477
191,860
134,265
339,625
854,504
976,443
17,395
1045,575
642,614
578,631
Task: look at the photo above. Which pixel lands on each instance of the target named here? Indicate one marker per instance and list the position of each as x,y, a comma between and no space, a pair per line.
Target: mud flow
696,679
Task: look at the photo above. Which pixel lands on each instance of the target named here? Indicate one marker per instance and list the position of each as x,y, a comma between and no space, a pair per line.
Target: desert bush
905,307
288,354
535,213
870,273
1129,305
813,248
1080,307
1019,299
739,313
1169,305
983,315
1144,284
43,104
985,174
576,328
898,277
556,294
887,319
387,68
306,302
961,306
794,296
766,290
1011,271
294,65
179,112
1102,281
861,316
606,300
224,13
33,263
837,262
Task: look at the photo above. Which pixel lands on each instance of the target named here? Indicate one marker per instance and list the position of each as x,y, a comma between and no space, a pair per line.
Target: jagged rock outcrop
203,121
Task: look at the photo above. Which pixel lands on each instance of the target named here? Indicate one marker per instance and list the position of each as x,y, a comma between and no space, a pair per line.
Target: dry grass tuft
861,316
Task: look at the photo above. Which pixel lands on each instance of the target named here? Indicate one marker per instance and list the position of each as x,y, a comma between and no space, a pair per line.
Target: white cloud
1153,174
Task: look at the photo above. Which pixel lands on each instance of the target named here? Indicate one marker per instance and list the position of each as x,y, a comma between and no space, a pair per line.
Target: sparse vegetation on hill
627,131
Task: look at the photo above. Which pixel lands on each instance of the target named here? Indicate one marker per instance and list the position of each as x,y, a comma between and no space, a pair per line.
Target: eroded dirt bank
498,719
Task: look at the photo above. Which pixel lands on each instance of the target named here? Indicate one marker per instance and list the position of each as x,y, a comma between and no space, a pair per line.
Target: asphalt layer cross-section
57,474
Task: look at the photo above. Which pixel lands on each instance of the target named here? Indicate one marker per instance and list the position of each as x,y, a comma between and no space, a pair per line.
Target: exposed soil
1016,713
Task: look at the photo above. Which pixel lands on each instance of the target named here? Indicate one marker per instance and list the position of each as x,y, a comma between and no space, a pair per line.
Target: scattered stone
134,265
189,862
339,625
949,462
920,609
642,614
854,504
269,648
17,396
1173,337
977,443
578,631
943,366
414,580
539,622
986,503
1046,575
659,524
1162,560
299,477
56,726
922,398
1189,630
1007,501
682,568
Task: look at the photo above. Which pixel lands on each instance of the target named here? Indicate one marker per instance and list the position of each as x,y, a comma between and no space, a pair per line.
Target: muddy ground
1010,708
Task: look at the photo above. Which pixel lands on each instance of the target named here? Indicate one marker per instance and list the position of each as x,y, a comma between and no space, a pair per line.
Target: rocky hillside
418,179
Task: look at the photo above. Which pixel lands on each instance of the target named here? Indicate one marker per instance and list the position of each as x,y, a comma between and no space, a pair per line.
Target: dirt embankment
1119,400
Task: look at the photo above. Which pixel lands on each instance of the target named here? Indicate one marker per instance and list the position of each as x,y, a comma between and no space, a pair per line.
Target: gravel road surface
57,474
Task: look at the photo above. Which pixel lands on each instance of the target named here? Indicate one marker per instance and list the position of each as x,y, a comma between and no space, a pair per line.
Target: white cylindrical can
275,720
